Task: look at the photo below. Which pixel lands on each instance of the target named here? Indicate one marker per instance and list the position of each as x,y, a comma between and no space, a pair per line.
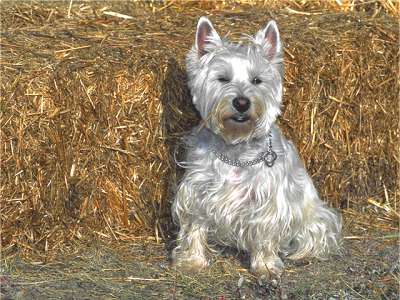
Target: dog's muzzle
241,105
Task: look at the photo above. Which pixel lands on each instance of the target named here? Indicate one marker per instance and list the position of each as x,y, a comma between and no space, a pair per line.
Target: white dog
245,185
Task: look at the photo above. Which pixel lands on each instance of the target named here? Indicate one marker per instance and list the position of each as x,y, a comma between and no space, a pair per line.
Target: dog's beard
236,127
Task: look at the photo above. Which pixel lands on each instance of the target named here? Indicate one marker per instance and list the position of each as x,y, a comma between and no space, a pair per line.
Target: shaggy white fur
265,210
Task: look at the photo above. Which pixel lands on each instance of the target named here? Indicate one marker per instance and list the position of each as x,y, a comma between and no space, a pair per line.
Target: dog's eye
223,79
256,80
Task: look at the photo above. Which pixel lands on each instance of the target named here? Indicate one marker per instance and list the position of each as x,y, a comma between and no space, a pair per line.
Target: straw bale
94,102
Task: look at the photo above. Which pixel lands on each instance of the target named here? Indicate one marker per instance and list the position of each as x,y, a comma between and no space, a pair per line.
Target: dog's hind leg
319,233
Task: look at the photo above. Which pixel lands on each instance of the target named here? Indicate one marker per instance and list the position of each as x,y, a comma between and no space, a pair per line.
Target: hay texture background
93,105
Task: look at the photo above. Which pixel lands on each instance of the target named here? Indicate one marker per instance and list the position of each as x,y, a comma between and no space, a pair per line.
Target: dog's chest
227,193
243,179
236,191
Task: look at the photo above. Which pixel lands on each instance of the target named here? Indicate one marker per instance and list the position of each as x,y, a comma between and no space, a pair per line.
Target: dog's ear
205,35
269,39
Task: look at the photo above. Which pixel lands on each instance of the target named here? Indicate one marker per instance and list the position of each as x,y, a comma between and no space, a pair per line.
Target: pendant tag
270,158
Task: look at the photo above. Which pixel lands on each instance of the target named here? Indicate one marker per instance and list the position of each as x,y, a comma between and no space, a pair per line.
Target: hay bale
93,106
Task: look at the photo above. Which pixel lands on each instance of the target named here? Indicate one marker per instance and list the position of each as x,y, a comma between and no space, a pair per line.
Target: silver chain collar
268,157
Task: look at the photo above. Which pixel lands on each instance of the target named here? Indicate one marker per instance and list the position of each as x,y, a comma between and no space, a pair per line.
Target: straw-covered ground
368,270
94,102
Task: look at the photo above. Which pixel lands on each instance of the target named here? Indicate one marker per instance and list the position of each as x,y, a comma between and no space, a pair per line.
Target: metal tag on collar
269,158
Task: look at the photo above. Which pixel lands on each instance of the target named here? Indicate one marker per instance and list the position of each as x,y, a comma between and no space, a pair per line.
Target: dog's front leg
268,264
190,252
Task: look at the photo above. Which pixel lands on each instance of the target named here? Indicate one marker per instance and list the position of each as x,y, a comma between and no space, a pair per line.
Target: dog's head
237,88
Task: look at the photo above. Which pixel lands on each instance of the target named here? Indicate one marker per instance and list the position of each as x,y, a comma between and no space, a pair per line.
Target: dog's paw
191,263
269,267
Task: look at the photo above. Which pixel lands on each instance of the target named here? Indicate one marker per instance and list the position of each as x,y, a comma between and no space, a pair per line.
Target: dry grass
369,270
93,105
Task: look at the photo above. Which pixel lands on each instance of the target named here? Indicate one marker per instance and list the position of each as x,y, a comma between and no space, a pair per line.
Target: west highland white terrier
244,184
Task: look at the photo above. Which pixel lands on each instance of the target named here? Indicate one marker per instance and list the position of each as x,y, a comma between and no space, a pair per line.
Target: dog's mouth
240,118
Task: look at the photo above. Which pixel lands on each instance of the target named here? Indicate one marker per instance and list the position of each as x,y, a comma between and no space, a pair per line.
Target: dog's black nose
241,104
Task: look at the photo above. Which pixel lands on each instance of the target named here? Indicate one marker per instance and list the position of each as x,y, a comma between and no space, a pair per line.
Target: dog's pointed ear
269,39
205,34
